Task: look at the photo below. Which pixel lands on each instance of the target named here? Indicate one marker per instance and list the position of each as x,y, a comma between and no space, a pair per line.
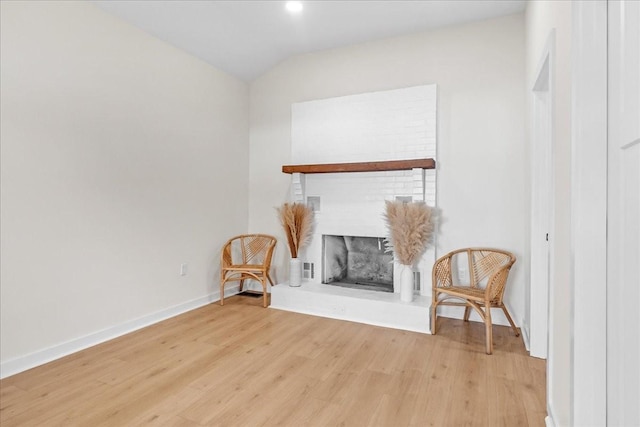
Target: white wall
479,69
541,18
122,157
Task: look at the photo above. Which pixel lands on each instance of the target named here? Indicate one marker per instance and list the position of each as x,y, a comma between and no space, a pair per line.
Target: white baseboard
525,336
549,419
40,357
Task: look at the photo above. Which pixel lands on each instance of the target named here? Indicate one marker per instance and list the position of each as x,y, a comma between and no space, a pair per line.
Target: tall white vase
406,283
295,272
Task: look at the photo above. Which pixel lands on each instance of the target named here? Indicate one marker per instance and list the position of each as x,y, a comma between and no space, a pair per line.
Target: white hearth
350,155
370,307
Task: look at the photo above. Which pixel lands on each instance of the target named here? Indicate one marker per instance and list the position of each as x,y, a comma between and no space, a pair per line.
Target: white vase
406,283
295,272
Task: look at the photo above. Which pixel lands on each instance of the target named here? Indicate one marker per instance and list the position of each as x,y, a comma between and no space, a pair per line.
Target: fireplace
357,262
348,156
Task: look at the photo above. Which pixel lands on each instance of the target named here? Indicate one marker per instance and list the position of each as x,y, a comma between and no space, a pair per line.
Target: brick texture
390,125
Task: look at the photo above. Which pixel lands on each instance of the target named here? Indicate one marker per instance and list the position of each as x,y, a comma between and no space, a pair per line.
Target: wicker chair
247,257
488,270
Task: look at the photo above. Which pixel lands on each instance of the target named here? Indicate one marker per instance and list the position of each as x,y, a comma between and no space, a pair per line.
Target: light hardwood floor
243,365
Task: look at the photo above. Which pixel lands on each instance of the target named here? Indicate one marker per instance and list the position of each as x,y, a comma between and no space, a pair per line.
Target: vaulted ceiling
247,38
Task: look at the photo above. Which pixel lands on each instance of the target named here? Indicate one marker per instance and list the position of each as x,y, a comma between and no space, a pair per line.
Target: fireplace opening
357,262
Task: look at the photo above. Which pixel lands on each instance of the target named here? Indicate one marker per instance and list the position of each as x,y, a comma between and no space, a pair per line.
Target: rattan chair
487,271
247,257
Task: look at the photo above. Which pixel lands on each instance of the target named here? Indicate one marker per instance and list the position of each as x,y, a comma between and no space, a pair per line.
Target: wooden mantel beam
390,165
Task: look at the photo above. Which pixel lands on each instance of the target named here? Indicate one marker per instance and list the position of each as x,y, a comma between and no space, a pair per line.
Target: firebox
357,262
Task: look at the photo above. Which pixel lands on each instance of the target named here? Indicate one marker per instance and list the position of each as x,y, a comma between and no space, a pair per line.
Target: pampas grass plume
411,227
297,220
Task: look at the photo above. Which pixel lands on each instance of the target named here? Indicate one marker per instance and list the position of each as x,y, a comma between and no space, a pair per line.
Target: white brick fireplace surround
372,127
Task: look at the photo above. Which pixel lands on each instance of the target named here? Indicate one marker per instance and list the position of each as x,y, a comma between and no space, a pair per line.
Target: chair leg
264,291
434,317
489,328
222,289
467,312
269,278
513,325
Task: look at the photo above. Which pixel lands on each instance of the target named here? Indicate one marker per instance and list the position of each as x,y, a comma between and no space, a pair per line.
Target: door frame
542,201
589,212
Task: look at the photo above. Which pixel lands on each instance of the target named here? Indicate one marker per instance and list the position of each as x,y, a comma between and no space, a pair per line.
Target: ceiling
247,38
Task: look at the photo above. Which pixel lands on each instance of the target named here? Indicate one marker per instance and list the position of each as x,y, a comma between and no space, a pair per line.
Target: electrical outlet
183,269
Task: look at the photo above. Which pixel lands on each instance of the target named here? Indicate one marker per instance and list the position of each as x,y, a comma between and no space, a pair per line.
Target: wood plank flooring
243,365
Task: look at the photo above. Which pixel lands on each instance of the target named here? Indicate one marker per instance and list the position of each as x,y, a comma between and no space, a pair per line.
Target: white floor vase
406,283
295,272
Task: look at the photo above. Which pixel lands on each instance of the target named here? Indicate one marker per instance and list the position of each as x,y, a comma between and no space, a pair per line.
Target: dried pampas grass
296,219
411,227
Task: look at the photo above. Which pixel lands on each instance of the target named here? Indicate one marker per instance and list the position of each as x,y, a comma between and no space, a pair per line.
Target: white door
623,224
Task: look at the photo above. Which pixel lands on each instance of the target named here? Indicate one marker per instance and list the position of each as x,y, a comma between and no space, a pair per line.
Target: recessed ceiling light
293,6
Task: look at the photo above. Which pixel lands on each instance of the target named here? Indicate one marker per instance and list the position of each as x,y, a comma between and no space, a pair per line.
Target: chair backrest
488,269
256,249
